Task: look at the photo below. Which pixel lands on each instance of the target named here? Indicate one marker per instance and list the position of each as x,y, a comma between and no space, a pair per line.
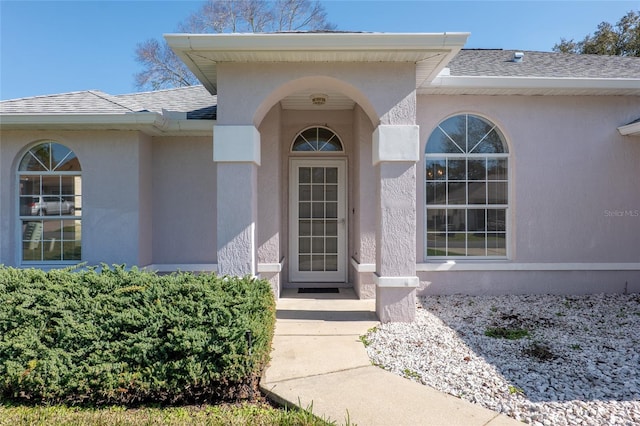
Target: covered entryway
288,213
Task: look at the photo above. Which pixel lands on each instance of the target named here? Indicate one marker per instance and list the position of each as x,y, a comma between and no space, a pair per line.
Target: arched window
317,139
50,200
467,189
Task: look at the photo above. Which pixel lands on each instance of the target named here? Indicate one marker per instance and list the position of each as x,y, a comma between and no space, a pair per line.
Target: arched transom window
467,187
50,200
317,139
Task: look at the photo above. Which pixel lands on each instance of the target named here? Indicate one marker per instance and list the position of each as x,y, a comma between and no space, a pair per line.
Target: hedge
115,336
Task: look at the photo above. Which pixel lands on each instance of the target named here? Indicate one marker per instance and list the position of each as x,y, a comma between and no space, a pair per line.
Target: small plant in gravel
515,390
410,374
506,333
365,337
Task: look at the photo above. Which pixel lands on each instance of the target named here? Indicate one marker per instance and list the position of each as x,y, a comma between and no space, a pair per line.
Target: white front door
317,220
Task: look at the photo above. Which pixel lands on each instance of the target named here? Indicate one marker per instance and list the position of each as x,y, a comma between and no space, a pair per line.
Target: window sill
495,265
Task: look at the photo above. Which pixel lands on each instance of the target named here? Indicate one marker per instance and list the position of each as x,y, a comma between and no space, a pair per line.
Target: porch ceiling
429,51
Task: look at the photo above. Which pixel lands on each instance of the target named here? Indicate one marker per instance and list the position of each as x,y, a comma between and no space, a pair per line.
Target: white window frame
22,218
466,206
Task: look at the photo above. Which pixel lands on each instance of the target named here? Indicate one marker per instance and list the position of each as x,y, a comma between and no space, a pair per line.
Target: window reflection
50,204
466,188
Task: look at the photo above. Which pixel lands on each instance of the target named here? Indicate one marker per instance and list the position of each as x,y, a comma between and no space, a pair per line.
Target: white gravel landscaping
578,364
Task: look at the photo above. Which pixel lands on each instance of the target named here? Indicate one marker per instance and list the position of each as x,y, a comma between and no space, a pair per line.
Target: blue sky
61,46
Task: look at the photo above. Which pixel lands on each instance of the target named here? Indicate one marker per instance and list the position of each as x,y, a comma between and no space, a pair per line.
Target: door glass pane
331,263
317,175
304,193
304,228
304,175
332,210
318,210
304,263
317,262
304,245
331,228
318,228
317,245
304,210
332,192
331,245
318,193
332,175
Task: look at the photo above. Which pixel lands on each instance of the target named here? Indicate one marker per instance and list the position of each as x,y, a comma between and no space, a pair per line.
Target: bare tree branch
163,69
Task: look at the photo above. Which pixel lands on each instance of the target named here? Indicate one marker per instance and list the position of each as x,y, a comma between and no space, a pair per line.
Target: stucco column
236,151
396,150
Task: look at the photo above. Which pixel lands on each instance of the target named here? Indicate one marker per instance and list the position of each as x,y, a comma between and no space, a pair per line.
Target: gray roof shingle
87,102
199,104
195,101
481,62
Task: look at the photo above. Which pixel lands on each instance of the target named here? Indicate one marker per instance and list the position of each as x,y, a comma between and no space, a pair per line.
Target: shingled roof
194,101
198,104
499,63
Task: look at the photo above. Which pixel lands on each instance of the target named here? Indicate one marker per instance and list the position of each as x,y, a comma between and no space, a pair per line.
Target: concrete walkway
319,362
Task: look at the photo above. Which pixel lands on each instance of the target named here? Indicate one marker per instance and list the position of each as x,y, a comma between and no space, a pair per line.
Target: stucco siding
184,201
574,219
571,174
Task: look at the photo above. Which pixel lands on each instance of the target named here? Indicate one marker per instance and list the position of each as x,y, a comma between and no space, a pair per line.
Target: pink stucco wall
115,190
184,201
571,176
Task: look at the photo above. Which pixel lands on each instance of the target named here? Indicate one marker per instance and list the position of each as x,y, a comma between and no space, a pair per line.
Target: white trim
623,86
341,275
429,51
185,267
632,129
236,144
509,266
148,122
270,267
396,281
396,143
363,267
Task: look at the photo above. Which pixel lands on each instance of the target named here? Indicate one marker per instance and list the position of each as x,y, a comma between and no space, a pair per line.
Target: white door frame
295,275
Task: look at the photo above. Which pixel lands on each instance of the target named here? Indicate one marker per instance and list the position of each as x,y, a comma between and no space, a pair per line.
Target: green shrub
118,336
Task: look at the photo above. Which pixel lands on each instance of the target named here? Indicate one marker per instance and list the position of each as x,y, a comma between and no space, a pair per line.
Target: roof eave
289,45
531,85
632,129
146,122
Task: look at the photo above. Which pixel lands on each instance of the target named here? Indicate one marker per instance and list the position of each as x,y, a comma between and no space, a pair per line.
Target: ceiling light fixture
318,99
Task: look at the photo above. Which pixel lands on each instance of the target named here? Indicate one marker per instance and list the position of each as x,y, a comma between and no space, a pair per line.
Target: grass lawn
228,415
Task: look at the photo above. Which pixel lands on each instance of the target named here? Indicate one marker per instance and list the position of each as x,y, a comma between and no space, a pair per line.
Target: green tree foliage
129,337
163,69
623,39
